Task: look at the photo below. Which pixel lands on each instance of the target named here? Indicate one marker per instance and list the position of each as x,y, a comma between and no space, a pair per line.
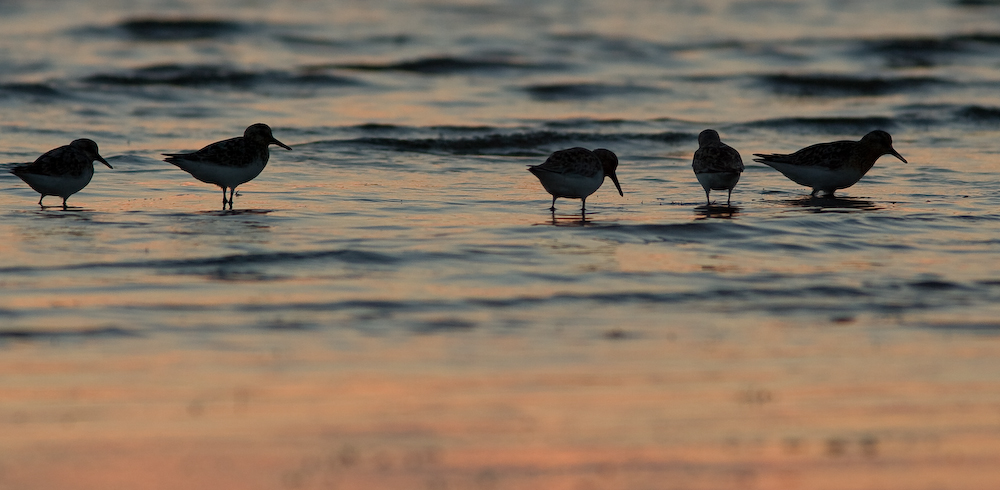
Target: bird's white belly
222,175
819,177
62,186
573,186
718,180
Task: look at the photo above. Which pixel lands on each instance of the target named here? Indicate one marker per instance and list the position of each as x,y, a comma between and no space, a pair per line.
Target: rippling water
392,303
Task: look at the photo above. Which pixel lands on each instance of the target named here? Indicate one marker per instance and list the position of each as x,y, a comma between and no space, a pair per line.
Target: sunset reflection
393,304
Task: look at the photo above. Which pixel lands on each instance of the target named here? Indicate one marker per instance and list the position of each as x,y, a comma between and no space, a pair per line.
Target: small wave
908,52
958,326
513,143
702,231
63,334
570,91
977,3
347,256
154,29
824,125
207,75
31,90
176,75
935,285
642,297
489,143
442,65
948,114
311,41
844,85
444,325
979,113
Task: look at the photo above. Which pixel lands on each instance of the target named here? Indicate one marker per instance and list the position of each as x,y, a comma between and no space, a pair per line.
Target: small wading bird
576,173
63,171
230,162
717,165
827,167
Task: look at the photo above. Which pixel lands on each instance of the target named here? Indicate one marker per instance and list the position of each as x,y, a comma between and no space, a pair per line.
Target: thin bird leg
730,198
708,200
231,191
583,206
553,207
40,200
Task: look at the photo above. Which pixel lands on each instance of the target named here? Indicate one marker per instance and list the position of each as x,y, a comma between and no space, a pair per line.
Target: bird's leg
583,205
708,200
64,204
730,198
40,200
553,208
231,191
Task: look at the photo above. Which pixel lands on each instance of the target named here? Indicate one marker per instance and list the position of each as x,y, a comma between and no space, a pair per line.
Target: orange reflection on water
476,411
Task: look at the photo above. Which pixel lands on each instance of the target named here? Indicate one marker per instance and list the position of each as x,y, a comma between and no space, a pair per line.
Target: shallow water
392,305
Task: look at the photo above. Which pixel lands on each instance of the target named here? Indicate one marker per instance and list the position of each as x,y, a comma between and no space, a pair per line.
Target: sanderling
830,166
63,171
716,164
231,162
576,173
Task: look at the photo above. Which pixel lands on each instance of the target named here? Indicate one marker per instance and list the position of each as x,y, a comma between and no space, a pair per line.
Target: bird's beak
275,141
99,159
897,155
614,178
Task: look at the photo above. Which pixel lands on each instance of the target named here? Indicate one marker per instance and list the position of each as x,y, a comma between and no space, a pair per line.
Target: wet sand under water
392,306
632,408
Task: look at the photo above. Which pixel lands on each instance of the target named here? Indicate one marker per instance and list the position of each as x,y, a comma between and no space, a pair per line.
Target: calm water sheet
391,304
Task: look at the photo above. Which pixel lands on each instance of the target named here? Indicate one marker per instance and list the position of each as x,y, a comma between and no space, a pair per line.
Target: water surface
392,304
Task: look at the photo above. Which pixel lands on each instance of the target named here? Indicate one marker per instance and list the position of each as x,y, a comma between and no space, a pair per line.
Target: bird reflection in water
720,212
572,219
822,204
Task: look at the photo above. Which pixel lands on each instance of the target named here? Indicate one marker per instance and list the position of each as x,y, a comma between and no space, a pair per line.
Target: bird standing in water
63,171
716,165
230,162
827,167
576,173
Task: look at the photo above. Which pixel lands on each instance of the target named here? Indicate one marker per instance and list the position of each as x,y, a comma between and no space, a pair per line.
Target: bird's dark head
260,134
708,136
89,148
881,141
609,162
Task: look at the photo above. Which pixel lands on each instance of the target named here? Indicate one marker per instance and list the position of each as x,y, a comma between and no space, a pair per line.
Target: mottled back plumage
580,161
716,165
715,156
71,159
240,151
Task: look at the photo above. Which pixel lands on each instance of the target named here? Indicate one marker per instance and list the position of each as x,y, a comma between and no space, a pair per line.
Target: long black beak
897,155
99,159
275,141
614,178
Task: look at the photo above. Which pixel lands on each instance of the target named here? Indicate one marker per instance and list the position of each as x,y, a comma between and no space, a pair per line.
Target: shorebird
62,171
230,162
830,166
576,173
716,164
